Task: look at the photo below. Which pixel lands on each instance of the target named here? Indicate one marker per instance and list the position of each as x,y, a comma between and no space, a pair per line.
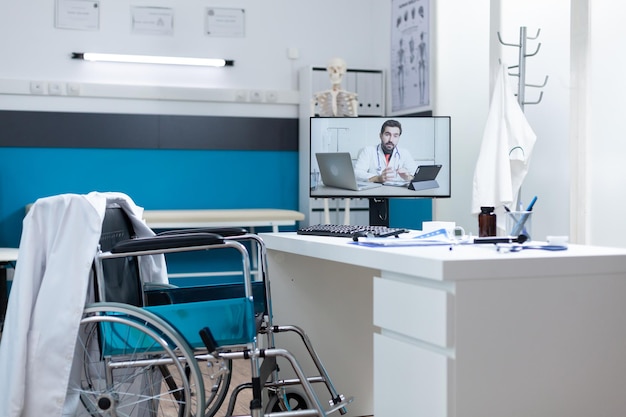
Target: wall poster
152,20
410,56
77,14
225,22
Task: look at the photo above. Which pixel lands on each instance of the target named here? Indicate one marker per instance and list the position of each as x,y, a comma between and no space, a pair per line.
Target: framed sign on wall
411,58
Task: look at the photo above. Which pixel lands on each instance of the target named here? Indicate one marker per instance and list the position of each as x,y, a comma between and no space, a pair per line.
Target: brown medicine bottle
487,222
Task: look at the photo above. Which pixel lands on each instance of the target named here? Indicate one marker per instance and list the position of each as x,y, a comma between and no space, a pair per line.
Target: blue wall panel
409,213
153,178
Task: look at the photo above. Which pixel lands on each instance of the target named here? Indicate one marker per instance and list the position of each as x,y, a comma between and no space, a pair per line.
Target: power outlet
256,96
293,53
37,87
241,95
55,89
73,89
271,96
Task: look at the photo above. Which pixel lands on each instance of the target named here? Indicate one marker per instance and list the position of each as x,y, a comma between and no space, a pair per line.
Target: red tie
387,156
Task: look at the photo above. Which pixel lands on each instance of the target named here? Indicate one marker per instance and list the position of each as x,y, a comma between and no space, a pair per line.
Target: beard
388,147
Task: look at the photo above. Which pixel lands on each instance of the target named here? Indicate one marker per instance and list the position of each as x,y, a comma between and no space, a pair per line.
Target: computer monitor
348,158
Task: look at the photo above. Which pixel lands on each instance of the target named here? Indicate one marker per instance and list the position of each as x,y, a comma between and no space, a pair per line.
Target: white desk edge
8,255
173,219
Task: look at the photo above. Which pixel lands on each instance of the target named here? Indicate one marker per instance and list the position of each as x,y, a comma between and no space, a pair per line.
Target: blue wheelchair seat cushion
223,308
231,321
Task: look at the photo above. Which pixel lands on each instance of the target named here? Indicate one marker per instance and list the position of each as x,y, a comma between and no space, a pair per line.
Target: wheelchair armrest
222,231
167,242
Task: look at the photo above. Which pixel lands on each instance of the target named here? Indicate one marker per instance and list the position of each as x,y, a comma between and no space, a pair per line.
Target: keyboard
338,230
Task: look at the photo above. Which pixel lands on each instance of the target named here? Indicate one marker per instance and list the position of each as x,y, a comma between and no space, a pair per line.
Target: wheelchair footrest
339,405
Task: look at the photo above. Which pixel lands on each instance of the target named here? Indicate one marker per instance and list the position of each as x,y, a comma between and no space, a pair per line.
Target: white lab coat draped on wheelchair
52,278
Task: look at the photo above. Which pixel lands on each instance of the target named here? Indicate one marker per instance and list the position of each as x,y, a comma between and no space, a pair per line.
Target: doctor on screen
386,162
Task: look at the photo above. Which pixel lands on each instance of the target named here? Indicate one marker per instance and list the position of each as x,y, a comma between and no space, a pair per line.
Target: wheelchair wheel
217,387
289,400
129,362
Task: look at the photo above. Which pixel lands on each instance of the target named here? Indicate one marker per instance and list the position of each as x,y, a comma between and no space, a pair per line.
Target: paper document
433,238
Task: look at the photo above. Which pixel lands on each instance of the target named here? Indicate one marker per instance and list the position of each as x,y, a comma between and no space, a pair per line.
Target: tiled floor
241,374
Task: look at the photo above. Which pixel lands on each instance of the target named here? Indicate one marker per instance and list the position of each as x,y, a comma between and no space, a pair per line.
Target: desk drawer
409,380
415,311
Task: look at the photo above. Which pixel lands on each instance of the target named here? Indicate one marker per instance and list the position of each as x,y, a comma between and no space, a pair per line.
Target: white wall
577,168
606,65
469,55
462,92
549,171
579,150
318,30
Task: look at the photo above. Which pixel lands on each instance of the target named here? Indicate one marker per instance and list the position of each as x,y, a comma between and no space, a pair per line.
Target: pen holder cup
519,222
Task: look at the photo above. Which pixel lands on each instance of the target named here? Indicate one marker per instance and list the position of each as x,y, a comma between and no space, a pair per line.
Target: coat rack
521,73
521,86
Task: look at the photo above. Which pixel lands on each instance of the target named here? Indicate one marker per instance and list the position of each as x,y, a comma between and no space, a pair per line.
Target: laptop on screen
337,171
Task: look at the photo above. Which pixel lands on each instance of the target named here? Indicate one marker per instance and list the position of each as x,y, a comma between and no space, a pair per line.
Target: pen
532,203
515,219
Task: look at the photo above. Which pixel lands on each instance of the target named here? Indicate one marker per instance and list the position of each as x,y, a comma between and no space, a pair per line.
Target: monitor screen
380,157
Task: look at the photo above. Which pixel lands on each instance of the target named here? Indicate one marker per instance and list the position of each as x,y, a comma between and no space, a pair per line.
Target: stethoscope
506,248
379,151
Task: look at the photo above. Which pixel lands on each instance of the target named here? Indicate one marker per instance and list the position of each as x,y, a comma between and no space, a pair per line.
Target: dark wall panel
78,130
137,131
196,132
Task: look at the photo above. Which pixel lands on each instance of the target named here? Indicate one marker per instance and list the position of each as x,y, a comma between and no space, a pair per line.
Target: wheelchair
159,350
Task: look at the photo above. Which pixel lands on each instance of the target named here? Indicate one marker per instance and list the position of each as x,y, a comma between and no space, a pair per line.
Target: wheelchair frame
166,358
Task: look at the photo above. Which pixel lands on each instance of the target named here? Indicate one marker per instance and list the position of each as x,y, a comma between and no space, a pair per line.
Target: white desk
468,332
178,219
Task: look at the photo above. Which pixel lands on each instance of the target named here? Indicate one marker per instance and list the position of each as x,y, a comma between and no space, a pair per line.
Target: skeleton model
335,102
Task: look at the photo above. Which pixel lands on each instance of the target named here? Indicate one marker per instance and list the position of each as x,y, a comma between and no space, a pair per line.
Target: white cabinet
367,84
412,345
419,312
460,332
408,380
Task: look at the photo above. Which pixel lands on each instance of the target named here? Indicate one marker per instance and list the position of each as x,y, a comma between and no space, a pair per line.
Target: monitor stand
379,212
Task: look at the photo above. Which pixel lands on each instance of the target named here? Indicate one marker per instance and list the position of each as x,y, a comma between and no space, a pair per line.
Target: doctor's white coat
53,273
506,148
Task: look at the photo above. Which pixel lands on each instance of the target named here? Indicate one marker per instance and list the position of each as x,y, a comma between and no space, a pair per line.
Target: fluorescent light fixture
147,59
